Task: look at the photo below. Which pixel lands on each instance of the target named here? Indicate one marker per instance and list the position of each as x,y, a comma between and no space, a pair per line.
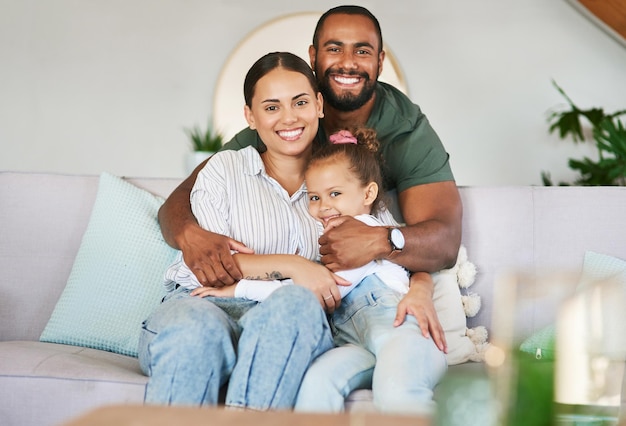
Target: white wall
109,85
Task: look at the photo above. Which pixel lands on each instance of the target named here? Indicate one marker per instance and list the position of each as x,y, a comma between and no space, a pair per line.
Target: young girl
343,178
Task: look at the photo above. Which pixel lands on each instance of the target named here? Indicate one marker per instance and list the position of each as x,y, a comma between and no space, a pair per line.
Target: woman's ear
371,192
247,112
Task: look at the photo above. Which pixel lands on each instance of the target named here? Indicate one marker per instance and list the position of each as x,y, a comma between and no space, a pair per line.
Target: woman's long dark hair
270,62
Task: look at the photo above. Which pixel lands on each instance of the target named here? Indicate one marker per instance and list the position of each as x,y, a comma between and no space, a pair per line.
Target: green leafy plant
209,140
608,134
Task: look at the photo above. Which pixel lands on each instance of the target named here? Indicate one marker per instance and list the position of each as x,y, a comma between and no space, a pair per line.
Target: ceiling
609,14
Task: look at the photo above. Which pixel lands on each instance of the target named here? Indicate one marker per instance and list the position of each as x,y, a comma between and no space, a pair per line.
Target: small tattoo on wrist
269,276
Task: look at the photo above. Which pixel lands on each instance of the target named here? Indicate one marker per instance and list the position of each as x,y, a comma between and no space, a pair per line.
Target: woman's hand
225,291
209,257
321,281
419,303
303,272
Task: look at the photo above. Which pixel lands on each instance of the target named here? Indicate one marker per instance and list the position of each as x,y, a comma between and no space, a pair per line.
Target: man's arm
175,213
432,213
207,254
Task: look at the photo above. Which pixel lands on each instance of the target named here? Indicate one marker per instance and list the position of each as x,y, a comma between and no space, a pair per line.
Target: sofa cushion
63,381
116,279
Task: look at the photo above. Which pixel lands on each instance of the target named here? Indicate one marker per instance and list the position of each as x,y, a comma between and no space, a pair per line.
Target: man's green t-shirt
412,152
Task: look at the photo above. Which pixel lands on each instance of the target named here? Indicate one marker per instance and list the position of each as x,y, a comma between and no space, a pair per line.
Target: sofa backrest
529,229
541,231
42,221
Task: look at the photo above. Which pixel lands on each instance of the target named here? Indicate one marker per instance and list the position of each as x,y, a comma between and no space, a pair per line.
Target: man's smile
346,80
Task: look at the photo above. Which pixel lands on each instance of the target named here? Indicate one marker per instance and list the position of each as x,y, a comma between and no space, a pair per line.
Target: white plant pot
194,158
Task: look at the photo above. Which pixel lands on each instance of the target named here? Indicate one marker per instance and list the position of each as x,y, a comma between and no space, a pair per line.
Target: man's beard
345,102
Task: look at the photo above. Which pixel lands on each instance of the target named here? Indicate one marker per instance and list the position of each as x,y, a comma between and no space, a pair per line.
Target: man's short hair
348,10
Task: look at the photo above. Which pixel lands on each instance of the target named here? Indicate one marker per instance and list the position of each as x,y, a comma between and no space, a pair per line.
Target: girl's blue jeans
399,363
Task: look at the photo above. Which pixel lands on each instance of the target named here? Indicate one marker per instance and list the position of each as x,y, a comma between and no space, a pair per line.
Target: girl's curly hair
363,158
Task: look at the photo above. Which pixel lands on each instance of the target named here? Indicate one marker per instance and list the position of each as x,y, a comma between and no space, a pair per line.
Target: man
347,58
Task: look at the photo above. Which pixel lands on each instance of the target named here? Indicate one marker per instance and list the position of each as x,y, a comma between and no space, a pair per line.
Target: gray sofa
43,218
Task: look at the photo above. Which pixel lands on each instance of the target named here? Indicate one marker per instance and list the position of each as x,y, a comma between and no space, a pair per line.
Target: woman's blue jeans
402,366
190,347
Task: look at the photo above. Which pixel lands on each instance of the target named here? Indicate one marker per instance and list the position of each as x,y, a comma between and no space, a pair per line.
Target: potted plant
609,136
204,143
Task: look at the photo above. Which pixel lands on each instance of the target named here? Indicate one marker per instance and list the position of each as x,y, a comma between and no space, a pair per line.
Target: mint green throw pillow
596,267
541,344
601,267
116,280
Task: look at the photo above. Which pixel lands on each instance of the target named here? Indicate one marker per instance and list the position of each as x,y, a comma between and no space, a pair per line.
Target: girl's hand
226,291
419,303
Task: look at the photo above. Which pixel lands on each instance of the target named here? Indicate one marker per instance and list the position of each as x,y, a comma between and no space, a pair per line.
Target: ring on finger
330,296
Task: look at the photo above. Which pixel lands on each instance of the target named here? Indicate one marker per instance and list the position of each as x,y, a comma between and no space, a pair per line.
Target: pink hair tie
342,136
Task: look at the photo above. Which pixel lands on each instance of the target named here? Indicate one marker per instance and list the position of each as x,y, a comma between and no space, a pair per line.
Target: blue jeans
191,346
402,366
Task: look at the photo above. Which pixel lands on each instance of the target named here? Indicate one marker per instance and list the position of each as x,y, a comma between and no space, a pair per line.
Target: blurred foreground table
137,415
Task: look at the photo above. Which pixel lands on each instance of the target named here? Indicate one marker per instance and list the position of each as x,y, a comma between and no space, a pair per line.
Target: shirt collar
253,164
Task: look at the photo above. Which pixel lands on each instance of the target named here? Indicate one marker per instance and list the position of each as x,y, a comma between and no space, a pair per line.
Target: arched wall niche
292,33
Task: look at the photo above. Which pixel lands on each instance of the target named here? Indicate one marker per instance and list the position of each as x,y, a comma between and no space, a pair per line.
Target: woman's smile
291,134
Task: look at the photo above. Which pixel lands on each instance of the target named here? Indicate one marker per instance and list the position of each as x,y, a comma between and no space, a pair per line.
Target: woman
191,346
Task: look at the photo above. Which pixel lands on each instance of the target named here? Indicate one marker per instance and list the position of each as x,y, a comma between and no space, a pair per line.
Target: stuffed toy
455,303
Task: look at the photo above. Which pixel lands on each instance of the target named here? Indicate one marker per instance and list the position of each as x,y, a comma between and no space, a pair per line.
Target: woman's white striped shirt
234,196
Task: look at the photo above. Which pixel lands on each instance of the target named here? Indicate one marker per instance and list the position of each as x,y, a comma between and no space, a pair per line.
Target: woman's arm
257,290
317,278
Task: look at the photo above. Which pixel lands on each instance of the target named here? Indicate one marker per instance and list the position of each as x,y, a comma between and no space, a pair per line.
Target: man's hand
205,253
419,303
208,256
348,243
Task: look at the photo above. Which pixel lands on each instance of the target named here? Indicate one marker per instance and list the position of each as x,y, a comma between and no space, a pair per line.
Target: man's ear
371,192
381,59
312,55
320,105
249,116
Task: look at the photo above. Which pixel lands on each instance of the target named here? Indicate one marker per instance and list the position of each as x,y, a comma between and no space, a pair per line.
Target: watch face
397,238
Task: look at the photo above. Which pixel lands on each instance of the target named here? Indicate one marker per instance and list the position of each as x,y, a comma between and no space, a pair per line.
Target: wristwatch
396,240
